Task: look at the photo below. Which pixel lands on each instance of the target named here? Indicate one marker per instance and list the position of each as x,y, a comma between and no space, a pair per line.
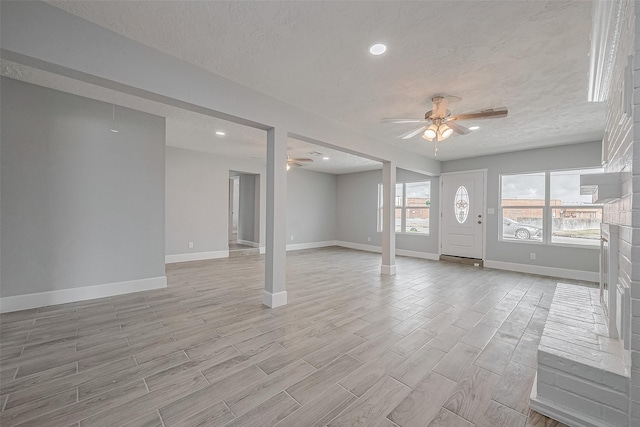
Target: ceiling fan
439,124
297,162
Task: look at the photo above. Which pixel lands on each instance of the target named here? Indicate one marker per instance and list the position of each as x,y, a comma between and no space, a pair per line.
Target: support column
388,218
275,281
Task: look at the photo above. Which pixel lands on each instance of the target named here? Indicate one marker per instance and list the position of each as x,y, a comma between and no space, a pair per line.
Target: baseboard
274,300
378,249
63,296
388,270
359,246
248,243
310,245
195,256
416,254
559,413
587,276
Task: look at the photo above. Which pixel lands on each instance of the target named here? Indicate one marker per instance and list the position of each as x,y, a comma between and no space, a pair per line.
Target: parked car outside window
512,229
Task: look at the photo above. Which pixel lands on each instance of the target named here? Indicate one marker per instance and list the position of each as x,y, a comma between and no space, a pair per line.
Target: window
413,200
574,219
547,207
523,200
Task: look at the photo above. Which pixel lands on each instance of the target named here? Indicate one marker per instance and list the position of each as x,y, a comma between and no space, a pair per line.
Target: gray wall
81,205
357,204
311,206
197,202
197,188
564,157
247,208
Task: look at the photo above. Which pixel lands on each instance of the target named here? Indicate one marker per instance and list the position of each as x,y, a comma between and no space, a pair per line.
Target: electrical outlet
532,255
368,239
292,237
190,245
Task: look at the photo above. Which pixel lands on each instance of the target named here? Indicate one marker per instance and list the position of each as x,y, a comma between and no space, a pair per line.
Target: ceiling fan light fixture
444,132
474,128
431,132
288,167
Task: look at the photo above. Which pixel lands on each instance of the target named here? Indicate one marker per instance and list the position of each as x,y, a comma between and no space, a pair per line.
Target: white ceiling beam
45,37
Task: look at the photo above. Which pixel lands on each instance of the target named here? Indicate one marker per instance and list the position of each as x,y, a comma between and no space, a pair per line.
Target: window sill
559,245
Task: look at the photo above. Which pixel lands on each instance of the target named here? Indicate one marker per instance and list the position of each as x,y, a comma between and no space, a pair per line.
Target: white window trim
547,213
403,218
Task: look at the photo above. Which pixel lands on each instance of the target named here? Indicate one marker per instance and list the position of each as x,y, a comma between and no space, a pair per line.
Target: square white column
275,283
388,218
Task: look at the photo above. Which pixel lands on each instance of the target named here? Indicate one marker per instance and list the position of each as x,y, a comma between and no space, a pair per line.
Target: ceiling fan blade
459,129
412,133
298,165
402,120
295,159
485,114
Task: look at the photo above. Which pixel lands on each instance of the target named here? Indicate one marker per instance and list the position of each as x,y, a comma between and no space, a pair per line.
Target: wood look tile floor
439,344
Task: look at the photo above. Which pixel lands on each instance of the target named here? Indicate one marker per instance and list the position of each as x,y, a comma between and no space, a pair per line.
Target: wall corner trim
274,300
564,273
195,256
63,296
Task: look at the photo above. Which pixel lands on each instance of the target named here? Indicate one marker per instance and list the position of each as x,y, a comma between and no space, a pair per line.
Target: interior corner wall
81,205
556,158
311,207
357,211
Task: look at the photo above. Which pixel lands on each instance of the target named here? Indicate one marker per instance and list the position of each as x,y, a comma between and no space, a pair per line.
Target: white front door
462,214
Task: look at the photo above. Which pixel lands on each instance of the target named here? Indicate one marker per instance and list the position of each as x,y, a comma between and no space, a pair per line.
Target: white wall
565,157
629,189
197,203
357,211
311,206
619,157
197,194
81,205
249,208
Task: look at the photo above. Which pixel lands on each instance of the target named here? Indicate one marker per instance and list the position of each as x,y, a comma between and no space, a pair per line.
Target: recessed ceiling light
474,128
220,133
325,158
377,49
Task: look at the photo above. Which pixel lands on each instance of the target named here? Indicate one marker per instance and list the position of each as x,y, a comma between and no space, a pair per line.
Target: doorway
234,202
462,214
244,213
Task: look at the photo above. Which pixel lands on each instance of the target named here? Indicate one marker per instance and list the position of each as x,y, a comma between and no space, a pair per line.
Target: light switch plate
491,211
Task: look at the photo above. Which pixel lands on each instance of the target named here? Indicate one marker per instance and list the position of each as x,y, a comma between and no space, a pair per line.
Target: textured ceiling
194,131
531,56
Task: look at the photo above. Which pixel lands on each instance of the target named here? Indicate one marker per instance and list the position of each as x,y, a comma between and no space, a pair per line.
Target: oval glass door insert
461,207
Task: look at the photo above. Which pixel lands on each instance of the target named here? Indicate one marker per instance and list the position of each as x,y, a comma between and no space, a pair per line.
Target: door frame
485,173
